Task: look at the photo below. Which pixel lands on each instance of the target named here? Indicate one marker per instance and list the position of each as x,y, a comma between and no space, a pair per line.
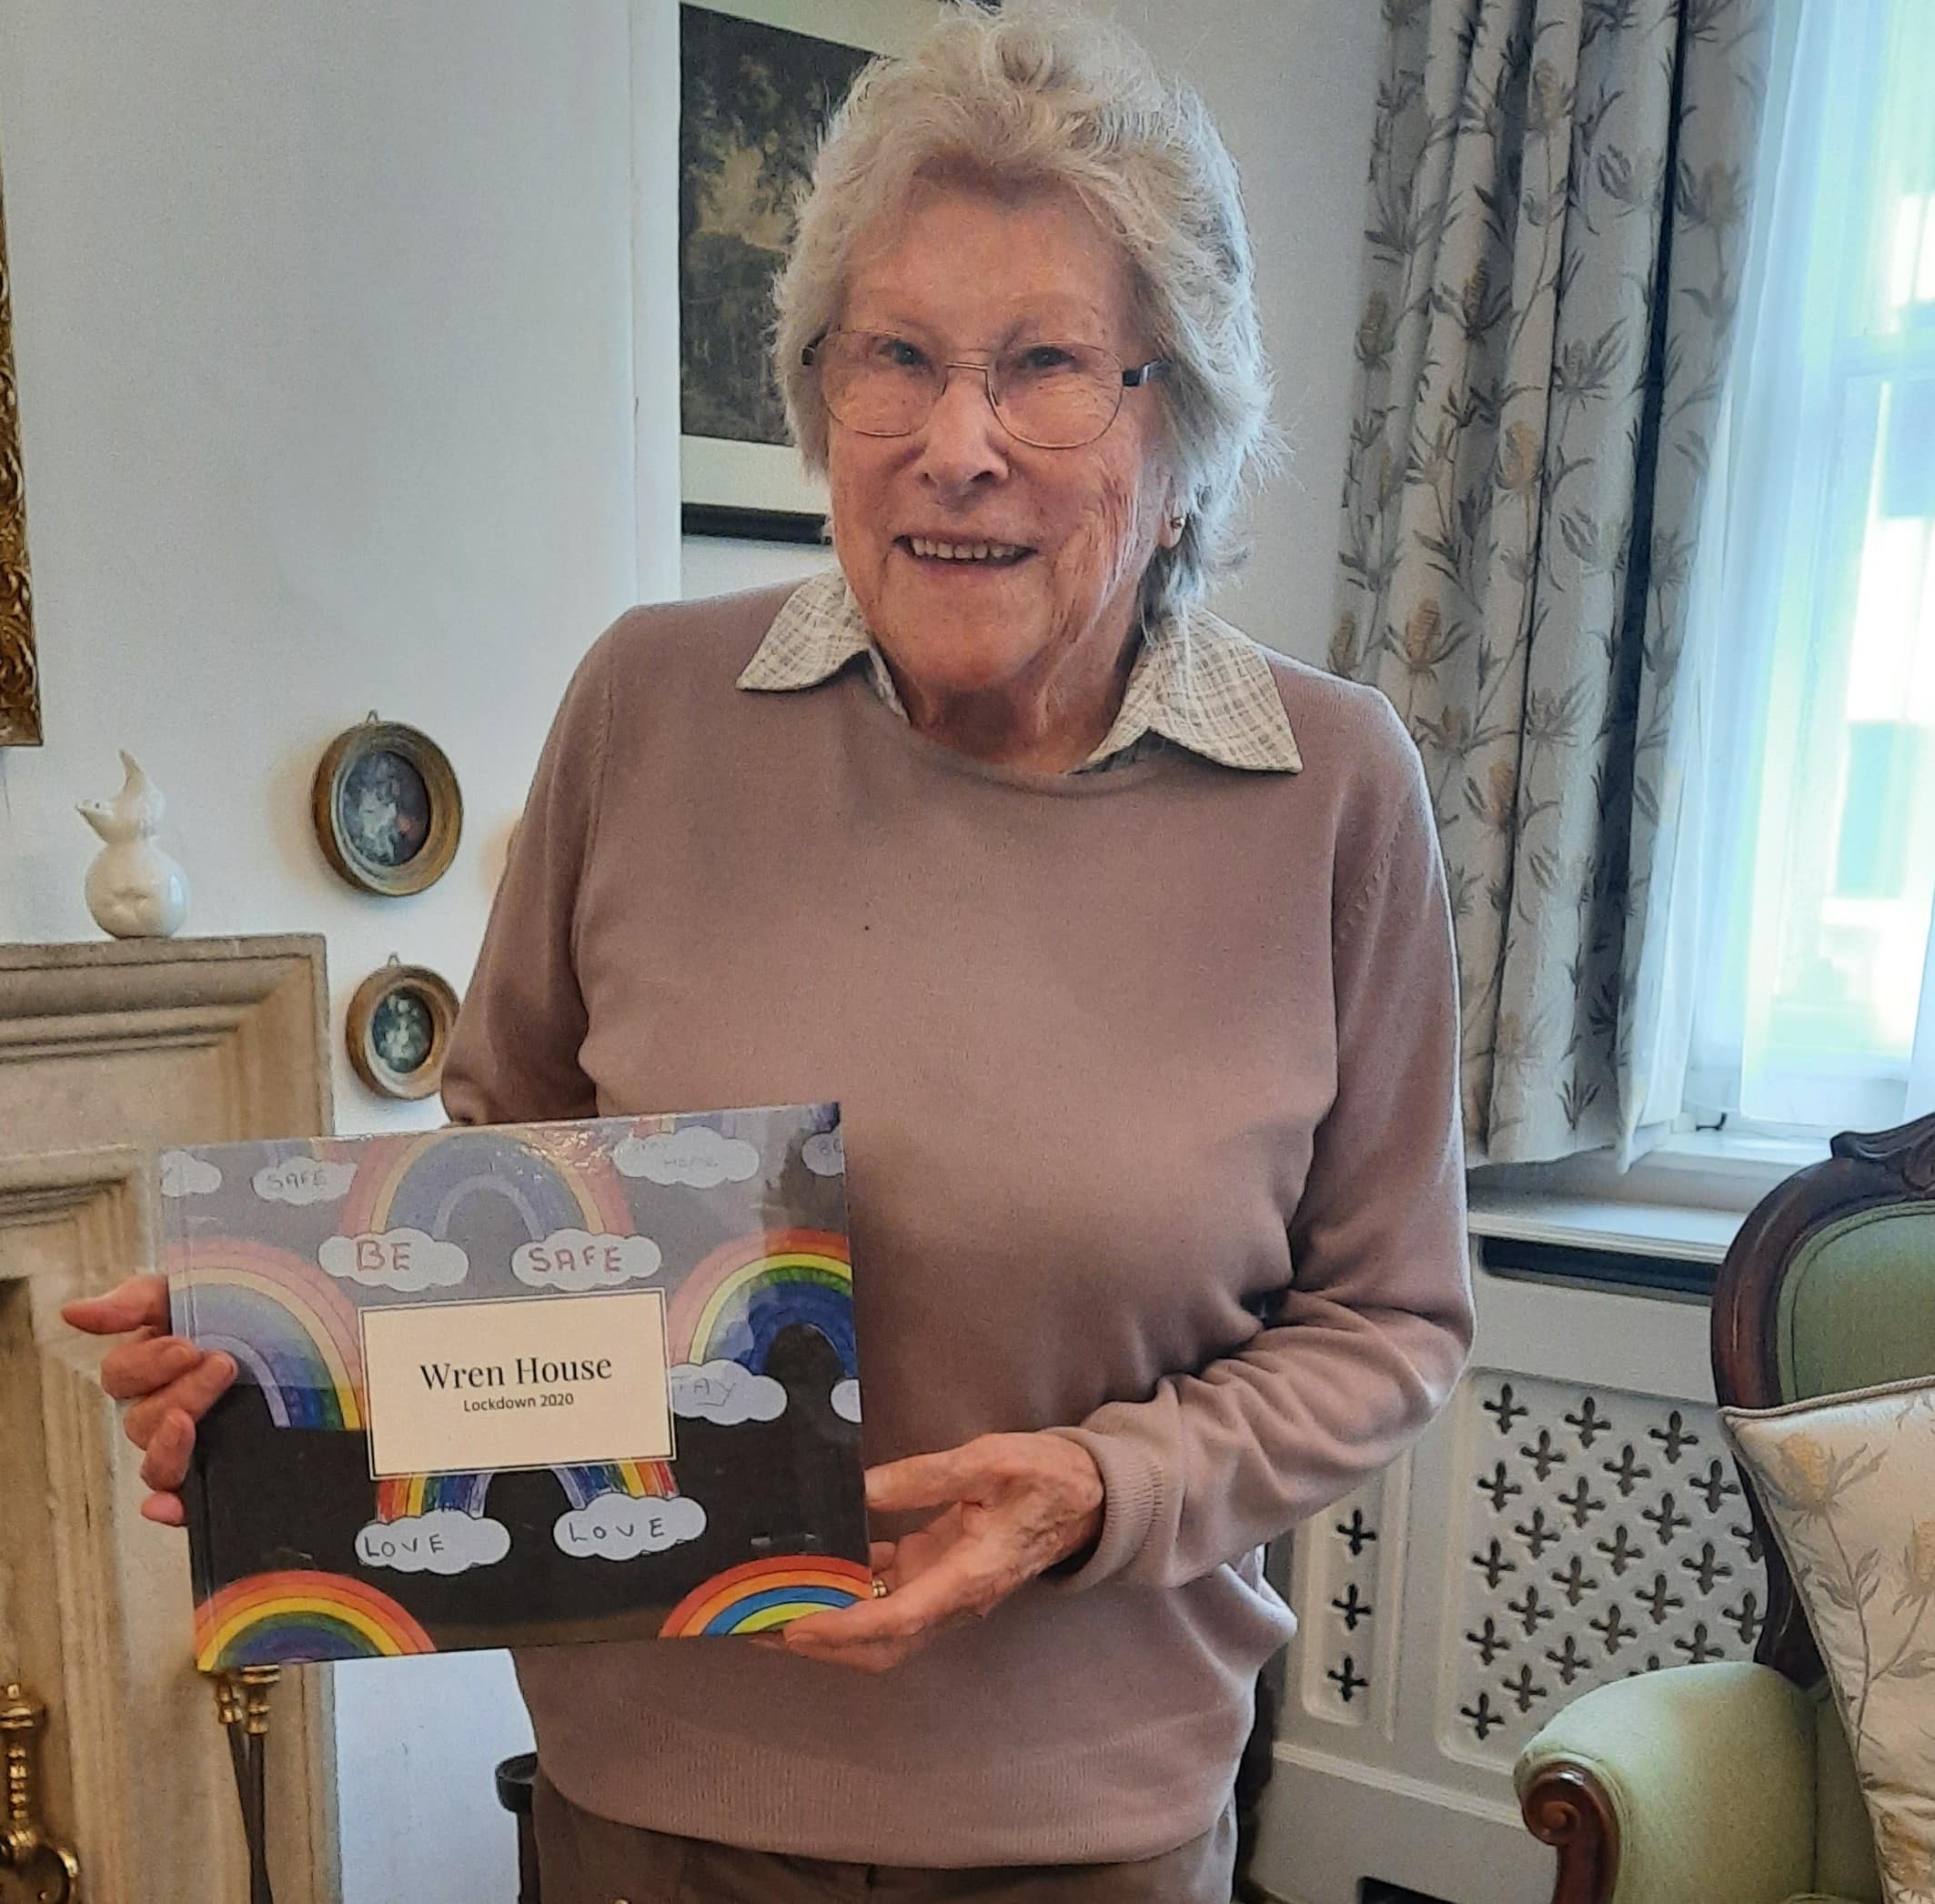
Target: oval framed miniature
386,808
399,1030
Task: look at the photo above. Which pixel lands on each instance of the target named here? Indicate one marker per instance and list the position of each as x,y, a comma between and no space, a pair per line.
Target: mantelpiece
108,1050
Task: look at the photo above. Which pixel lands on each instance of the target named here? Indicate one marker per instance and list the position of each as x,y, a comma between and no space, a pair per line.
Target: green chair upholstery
1701,1819
1856,1308
1844,1846
1731,1783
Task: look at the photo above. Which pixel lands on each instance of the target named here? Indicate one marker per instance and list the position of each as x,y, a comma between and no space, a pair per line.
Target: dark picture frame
757,81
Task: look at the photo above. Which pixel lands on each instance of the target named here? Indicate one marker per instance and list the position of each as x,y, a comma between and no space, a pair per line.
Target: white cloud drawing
576,1259
303,1180
444,1541
618,1527
725,1393
697,1156
825,1155
404,1260
846,1399
183,1175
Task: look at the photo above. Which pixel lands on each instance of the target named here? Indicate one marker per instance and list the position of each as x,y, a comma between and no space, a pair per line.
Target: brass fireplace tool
25,1847
241,1703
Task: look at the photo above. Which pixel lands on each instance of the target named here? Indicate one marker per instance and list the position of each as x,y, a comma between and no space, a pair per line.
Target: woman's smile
961,557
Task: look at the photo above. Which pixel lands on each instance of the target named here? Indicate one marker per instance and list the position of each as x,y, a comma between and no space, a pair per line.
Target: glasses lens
1057,396
1053,395
880,386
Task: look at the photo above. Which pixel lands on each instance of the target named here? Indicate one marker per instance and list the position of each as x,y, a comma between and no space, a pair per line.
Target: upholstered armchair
1732,1783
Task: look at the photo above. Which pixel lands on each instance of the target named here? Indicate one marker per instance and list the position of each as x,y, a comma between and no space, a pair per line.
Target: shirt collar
1197,682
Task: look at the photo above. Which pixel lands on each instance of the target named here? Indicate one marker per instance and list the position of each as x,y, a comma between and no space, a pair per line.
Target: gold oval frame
436,993
433,859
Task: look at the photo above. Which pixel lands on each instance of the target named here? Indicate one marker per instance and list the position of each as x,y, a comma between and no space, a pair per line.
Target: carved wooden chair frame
1566,1805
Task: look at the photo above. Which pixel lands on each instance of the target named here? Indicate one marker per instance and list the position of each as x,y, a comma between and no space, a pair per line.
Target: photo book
519,1385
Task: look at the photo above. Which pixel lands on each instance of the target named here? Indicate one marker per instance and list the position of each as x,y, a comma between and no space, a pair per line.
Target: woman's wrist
1091,1494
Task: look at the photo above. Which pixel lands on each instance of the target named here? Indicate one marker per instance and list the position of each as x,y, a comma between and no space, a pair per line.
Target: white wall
323,331
712,566
1290,84
331,325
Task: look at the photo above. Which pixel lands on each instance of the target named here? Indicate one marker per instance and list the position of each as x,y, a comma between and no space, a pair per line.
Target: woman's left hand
1012,1506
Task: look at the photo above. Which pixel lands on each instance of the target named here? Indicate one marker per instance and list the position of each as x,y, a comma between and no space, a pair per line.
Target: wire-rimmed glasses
1051,395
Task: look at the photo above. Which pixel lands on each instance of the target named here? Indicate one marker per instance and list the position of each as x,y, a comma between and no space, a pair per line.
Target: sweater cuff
1132,1491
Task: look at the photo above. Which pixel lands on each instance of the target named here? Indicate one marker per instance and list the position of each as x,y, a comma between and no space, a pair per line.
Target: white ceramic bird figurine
134,890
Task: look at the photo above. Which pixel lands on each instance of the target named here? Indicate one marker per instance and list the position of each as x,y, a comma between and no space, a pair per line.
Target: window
1814,994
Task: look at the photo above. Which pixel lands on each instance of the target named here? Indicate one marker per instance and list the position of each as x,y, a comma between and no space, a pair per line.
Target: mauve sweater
1151,1124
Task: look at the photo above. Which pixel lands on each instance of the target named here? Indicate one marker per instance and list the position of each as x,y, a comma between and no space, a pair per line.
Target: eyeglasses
1048,396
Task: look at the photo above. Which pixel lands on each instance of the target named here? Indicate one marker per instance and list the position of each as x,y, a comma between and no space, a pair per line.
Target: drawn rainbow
642,1480
273,1619
288,1327
738,1300
406,1497
554,1179
764,1594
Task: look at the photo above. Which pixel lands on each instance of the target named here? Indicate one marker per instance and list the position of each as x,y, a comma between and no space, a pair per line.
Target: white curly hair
1042,96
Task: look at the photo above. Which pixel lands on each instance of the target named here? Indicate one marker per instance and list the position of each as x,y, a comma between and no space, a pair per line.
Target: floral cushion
1849,1485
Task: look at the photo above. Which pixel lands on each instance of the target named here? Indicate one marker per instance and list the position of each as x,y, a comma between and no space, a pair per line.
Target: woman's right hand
166,1383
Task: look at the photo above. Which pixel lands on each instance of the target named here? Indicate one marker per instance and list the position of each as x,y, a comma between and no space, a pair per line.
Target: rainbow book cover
519,1385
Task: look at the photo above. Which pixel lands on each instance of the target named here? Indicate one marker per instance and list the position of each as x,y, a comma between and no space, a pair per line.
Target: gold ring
880,1587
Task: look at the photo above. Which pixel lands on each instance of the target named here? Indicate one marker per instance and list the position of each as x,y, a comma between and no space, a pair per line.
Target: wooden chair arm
1566,1806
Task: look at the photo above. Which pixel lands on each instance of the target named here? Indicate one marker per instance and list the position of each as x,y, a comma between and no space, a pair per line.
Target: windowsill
1679,1230
1736,1150
1685,1198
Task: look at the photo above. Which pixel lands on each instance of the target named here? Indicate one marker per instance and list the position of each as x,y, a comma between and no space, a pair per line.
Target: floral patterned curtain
1557,218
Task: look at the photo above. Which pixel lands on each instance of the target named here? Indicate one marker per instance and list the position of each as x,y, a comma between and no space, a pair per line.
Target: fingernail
225,1366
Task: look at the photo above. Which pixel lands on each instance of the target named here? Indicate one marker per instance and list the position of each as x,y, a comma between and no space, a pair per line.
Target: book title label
534,1382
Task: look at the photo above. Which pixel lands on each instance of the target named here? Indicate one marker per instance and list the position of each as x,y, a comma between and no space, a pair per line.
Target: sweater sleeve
514,1055
1366,1343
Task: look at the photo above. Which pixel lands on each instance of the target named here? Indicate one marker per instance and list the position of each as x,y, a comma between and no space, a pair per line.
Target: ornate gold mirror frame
19,683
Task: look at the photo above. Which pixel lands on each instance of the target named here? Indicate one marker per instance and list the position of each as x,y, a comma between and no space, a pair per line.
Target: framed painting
398,1029
386,808
19,679
757,81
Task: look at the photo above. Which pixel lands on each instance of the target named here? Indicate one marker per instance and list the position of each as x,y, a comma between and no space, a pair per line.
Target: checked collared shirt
1197,683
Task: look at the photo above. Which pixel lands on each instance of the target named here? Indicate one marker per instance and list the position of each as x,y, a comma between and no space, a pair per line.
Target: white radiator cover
1572,1517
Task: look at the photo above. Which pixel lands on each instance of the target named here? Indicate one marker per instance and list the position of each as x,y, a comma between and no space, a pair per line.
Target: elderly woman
1125,946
